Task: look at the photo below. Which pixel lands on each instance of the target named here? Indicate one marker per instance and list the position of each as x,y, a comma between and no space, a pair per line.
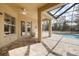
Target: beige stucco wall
5,40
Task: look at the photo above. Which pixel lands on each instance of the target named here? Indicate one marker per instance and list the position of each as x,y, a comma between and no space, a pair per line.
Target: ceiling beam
47,6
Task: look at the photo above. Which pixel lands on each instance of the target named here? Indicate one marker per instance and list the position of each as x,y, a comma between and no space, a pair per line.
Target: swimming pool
72,36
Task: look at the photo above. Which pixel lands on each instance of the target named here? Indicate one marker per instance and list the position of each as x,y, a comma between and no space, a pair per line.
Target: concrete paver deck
50,47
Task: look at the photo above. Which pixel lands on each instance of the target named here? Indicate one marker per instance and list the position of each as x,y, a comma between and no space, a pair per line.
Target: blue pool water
72,36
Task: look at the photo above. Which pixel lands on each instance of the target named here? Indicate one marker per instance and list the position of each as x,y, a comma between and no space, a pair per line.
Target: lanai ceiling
31,8
27,5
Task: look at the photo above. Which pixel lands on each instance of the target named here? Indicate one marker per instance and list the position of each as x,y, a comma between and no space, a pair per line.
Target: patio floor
56,45
21,42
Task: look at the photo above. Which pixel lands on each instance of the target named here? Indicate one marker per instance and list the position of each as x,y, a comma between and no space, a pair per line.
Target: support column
39,26
31,28
50,28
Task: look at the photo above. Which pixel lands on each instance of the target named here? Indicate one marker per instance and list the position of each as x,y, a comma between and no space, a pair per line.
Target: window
22,28
9,24
28,26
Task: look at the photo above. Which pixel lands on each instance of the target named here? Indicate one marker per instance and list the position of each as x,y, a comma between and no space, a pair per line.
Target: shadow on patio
17,44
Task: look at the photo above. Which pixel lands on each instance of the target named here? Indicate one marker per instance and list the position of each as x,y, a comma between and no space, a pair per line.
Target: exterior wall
5,40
